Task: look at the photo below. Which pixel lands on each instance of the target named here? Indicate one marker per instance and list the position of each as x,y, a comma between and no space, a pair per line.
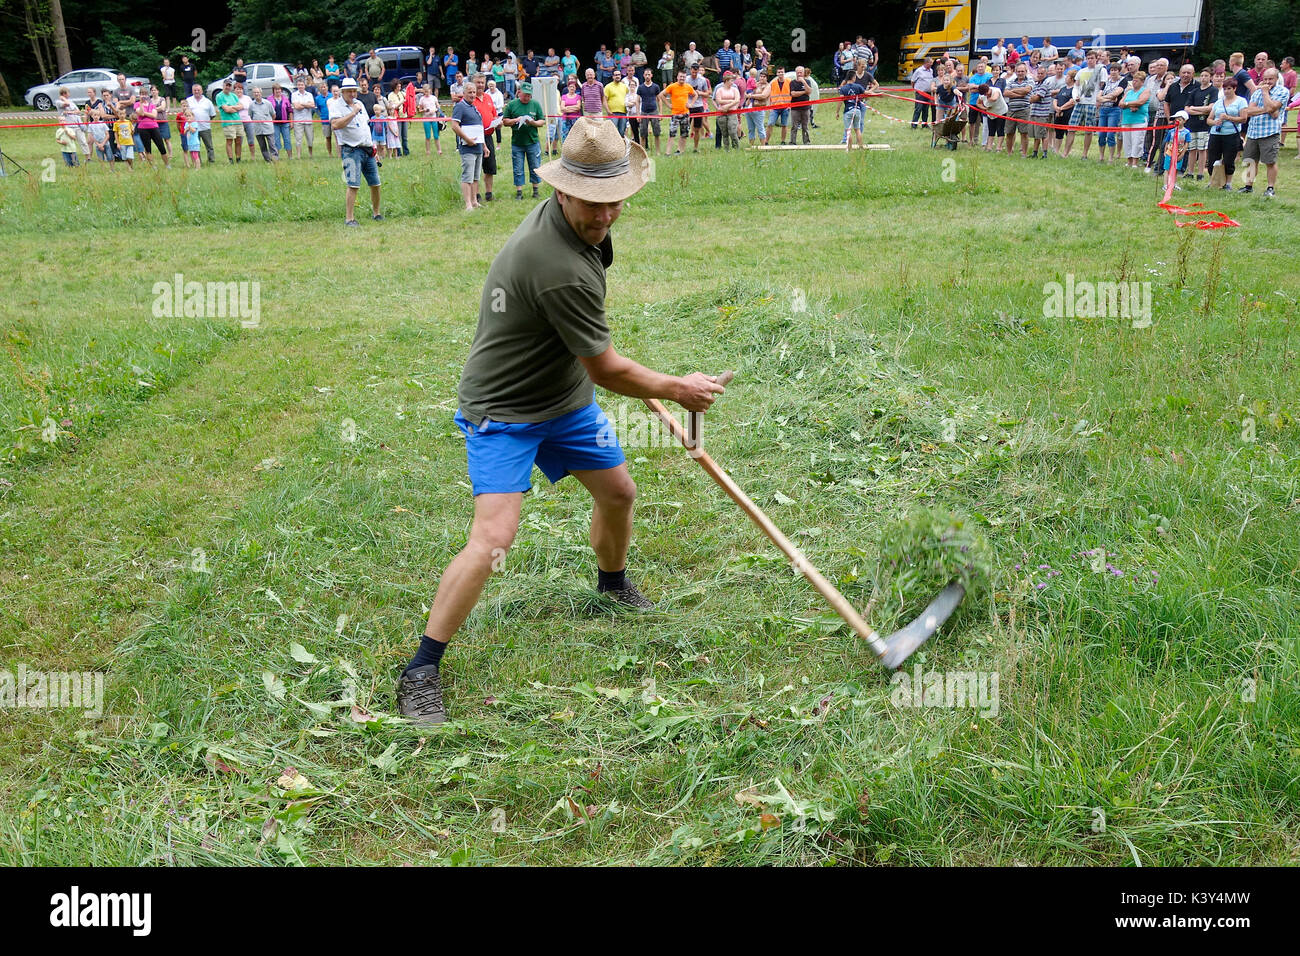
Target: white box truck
965,28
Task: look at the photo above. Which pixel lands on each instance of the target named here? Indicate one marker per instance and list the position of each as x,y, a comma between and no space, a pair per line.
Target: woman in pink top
728,97
1295,105
146,114
570,106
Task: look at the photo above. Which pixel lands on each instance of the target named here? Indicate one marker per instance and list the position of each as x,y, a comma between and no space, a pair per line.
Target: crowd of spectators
1054,101
177,118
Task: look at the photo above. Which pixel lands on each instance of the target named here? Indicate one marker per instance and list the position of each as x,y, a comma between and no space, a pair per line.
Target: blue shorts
502,454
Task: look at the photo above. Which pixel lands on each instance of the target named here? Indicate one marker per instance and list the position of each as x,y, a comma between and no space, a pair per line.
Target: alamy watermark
46,690
976,690
638,427
1098,300
208,300
77,909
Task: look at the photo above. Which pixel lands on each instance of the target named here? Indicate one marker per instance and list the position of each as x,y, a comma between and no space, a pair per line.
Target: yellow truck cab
941,29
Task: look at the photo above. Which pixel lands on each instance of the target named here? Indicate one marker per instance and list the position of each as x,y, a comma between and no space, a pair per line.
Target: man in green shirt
526,393
524,116
232,128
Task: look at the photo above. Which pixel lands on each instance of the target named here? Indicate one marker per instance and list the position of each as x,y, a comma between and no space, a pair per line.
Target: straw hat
597,164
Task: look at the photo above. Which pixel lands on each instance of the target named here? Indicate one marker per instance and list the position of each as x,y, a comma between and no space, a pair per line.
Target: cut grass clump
928,550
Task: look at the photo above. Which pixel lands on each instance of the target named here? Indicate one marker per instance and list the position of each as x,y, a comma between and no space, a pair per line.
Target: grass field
202,529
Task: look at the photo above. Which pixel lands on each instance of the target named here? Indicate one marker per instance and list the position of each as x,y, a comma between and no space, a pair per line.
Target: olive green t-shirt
543,305
525,134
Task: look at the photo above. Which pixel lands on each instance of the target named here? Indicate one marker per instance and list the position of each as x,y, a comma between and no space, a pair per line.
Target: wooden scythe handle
833,597
695,420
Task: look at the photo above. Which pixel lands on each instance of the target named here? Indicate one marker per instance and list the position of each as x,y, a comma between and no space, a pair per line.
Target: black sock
610,580
430,652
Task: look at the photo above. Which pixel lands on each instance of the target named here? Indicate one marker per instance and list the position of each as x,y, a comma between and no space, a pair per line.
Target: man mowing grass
526,393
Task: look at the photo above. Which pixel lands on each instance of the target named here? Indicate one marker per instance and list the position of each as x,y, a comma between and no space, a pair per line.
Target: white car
44,97
264,75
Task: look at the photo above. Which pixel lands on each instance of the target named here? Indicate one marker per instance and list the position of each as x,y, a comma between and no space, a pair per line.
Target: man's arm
1253,110
609,370
460,133
338,122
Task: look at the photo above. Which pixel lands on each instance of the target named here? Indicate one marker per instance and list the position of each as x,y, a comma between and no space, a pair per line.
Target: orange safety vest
780,94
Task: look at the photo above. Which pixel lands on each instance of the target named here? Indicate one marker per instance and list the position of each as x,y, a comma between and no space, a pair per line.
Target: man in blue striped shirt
1267,112
1042,107
728,58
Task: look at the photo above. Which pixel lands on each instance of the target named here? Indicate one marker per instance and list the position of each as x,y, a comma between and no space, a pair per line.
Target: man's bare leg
614,494
496,519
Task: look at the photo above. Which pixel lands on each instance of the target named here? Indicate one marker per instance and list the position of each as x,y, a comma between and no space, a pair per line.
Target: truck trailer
966,29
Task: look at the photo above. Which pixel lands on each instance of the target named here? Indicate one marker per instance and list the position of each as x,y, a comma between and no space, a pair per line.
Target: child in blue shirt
1184,143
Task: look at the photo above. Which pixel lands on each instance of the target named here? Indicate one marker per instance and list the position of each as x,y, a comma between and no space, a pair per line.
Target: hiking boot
629,595
419,696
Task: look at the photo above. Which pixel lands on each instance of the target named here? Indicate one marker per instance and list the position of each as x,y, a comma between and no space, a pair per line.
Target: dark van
400,63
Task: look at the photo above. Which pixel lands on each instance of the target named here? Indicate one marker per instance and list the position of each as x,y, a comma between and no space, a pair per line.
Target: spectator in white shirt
351,126
204,113
303,103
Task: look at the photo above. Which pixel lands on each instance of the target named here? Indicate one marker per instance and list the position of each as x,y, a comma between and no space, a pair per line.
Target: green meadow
240,521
